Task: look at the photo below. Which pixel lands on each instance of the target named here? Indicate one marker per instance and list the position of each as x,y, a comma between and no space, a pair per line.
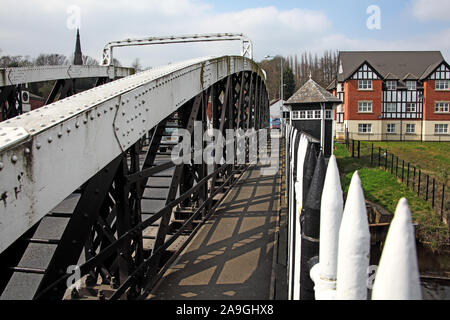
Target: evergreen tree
289,83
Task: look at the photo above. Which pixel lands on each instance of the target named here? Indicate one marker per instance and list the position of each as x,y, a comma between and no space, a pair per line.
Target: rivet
14,159
27,151
42,125
50,140
59,134
85,121
68,130
77,125
1,165
38,145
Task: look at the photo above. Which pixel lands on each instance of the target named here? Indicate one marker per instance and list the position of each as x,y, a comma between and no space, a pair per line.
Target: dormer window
411,85
391,85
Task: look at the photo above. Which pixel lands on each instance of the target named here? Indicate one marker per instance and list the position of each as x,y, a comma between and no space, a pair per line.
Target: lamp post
281,89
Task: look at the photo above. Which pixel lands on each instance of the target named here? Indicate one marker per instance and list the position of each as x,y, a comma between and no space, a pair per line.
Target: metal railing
329,243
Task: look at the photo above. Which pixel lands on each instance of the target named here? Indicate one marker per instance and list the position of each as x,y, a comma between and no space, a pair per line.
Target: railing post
397,276
359,149
324,274
403,170
428,184
354,246
442,202
310,230
371,156
386,160
392,163
353,148
418,184
379,156
433,192
407,176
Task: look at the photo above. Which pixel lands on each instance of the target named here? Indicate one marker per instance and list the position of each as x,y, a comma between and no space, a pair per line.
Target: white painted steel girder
246,43
15,76
47,153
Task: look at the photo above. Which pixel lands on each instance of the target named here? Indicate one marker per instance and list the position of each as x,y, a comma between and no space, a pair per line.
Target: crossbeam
246,44
47,153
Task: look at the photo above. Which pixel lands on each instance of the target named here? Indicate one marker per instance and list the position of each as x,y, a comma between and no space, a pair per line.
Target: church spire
78,56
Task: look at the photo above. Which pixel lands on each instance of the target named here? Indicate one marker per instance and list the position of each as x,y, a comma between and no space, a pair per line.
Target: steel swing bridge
87,180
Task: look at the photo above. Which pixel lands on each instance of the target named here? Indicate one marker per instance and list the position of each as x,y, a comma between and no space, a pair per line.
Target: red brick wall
430,97
35,103
353,95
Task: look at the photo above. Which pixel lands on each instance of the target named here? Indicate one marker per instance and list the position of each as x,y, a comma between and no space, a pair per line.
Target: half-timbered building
392,95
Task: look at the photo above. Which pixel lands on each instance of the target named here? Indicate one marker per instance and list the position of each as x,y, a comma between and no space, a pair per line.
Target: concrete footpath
232,255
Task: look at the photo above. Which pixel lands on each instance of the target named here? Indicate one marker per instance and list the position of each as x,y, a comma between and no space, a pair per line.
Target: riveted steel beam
59,147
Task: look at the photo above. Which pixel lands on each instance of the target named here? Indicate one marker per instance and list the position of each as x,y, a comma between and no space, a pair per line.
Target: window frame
441,125
368,126
391,103
363,85
437,109
391,85
410,125
411,104
368,103
442,88
391,126
408,83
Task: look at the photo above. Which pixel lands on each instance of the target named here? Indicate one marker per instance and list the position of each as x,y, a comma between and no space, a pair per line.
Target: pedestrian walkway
231,256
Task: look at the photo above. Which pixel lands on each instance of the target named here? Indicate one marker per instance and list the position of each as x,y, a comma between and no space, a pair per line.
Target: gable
365,72
442,73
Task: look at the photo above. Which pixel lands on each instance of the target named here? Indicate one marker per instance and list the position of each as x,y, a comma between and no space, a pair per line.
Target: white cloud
431,10
42,28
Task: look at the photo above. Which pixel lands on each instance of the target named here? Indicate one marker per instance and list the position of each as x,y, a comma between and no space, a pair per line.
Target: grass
382,188
436,162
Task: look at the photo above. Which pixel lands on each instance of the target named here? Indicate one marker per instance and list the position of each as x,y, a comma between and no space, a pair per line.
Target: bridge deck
231,256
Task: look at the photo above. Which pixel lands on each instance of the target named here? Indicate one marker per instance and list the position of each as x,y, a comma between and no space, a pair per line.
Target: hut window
317,114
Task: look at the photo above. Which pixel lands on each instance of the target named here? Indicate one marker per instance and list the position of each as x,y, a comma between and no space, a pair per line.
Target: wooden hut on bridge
312,112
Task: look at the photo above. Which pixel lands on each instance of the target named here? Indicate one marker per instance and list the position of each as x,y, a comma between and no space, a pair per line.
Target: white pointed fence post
397,277
325,272
354,246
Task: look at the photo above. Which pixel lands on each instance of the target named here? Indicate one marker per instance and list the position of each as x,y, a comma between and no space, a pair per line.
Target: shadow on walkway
232,254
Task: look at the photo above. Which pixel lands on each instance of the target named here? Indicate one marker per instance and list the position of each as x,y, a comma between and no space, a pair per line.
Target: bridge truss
88,181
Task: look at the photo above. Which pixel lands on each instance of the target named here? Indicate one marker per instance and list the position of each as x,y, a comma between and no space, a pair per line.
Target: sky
283,27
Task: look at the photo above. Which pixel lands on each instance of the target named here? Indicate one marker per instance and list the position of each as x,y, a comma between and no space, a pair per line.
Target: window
411,85
411,107
391,128
340,117
364,84
441,128
318,114
442,84
364,106
410,128
295,115
310,115
328,115
364,128
302,114
391,107
391,85
441,107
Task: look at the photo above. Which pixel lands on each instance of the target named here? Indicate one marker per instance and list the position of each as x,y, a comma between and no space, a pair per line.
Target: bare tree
52,59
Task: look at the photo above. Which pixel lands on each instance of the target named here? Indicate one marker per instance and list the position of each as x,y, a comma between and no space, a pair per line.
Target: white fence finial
354,246
331,210
398,276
